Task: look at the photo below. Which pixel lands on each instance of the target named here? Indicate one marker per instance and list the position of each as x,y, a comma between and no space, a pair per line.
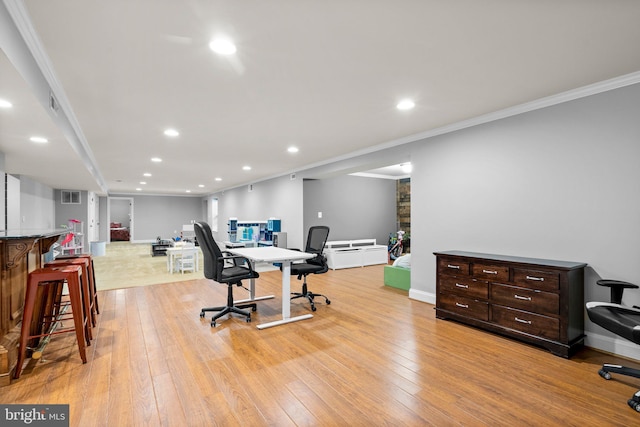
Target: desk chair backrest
316,240
212,256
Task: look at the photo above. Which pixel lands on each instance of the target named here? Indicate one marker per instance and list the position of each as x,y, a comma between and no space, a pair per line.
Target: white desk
179,250
274,254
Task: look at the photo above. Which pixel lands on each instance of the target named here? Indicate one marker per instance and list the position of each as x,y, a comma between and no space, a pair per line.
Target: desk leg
252,291
286,300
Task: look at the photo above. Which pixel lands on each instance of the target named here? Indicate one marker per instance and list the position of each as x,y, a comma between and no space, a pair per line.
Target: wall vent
250,188
292,176
53,103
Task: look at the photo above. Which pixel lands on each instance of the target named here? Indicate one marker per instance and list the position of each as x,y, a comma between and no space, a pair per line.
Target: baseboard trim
612,345
423,296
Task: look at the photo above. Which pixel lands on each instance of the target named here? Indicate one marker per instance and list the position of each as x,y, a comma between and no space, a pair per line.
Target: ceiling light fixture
246,168
171,132
406,167
293,149
138,189
222,46
218,179
146,174
5,104
38,139
143,182
156,159
405,104
201,185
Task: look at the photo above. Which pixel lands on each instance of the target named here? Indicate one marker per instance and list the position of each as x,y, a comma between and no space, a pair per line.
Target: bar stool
92,277
85,285
46,277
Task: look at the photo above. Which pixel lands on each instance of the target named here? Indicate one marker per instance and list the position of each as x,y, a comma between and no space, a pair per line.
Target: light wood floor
373,357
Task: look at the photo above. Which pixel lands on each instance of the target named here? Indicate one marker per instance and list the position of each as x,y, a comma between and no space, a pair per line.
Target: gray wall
37,206
162,216
276,198
63,213
353,207
561,183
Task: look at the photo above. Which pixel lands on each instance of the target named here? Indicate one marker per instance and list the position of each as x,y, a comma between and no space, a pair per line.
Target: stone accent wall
403,203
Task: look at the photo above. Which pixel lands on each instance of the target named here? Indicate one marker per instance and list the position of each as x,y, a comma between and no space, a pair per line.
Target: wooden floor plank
371,357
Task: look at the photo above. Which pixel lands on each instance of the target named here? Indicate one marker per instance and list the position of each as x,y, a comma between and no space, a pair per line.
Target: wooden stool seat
55,276
92,278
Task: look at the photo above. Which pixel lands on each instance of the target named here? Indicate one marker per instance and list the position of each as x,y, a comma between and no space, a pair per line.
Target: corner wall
557,183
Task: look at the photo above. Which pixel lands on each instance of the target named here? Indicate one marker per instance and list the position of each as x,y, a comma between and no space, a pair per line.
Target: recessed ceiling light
143,182
405,104
138,189
201,185
5,104
146,174
156,159
188,191
293,149
406,167
171,132
222,46
38,139
246,168
218,179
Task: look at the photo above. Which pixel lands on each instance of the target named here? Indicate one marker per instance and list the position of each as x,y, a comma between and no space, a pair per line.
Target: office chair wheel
604,374
254,308
248,319
313,308
201,314
634,404
213,323
328,302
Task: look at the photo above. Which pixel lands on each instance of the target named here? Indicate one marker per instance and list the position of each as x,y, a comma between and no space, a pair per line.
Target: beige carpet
126,265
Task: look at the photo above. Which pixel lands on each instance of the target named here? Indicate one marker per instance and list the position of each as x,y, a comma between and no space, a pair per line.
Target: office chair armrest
237,259
618,307
617,288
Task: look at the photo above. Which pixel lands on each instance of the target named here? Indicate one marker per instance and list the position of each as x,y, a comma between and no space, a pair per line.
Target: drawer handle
462,305
528,322
539,279
457,267
458,285
490,271
522,298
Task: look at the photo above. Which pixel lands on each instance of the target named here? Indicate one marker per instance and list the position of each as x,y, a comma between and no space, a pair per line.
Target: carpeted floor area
126,265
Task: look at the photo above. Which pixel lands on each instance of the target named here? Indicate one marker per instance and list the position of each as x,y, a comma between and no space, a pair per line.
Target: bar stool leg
27,315
76,307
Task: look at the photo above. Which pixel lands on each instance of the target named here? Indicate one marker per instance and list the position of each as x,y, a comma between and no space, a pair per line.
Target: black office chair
216,267
621,320
315,245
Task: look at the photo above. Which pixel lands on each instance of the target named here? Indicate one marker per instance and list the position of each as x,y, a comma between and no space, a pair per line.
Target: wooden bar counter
21,251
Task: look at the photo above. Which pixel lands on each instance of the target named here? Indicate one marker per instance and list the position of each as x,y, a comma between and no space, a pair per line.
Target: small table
272,254
160,248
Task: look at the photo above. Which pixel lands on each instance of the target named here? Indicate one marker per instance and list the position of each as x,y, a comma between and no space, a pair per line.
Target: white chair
186,260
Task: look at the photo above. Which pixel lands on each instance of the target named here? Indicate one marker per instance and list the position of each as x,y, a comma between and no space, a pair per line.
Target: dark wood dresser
538,301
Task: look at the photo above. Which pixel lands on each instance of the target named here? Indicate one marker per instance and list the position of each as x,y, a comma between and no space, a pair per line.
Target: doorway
120,214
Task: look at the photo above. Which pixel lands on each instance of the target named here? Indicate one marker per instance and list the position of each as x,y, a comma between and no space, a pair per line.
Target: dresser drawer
526,299
453,267
464,306
523,321
498,273
464,286
536,279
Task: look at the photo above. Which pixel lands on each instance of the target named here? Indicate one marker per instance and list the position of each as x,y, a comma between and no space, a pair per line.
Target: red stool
46,277
85,285
95,309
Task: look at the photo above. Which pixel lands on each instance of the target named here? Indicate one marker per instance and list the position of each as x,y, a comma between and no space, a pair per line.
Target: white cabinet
355,253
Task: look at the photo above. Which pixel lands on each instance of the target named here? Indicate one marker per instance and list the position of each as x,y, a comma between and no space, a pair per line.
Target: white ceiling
324,76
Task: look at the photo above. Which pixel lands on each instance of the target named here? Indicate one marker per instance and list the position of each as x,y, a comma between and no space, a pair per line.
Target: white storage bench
355,253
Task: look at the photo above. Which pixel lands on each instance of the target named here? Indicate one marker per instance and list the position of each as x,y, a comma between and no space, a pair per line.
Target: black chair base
229,308
310,296
607,369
